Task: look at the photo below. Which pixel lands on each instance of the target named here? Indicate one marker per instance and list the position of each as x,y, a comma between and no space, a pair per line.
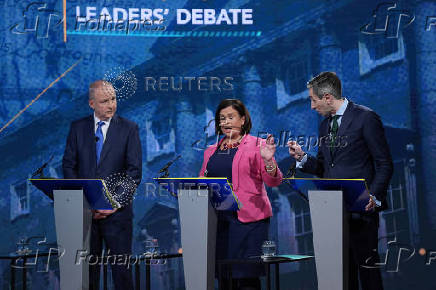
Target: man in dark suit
98,146
352,145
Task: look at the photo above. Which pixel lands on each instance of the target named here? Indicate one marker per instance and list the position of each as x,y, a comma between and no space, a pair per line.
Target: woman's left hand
268,149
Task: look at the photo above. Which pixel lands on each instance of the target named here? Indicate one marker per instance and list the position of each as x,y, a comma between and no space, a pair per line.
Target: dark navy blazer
361,151
121,152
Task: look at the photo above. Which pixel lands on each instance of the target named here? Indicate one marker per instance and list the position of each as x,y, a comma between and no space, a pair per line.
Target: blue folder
95,190
221,193
355,191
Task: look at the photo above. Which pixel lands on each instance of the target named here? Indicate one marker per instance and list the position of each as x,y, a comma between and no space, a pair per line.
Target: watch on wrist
270,167
302,156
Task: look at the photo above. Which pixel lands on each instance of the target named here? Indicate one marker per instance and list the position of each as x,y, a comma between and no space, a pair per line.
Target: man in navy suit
352,145
98,146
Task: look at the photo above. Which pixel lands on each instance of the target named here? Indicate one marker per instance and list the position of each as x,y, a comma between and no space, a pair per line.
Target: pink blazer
249,178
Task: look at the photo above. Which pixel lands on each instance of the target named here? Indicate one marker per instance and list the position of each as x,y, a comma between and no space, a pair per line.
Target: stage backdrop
171,63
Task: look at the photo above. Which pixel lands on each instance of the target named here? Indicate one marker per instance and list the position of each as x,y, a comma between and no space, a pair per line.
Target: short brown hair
240,108
326,83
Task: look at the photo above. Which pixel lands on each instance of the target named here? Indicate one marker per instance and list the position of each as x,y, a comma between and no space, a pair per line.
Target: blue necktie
99,140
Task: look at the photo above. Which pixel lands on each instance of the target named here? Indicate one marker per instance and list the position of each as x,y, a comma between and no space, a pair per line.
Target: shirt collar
343,107
96,120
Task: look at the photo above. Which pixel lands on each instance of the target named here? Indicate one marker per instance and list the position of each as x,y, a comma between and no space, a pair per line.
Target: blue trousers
237,240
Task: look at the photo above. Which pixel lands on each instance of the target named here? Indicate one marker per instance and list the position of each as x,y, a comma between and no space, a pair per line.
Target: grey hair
100,85
326,83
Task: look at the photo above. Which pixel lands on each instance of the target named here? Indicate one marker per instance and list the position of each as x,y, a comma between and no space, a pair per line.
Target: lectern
73,201
198,199
329,201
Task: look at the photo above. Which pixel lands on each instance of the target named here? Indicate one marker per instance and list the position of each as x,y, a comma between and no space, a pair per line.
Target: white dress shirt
104,128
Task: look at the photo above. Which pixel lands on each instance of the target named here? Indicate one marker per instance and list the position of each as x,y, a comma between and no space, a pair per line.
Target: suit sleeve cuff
301,163
377,202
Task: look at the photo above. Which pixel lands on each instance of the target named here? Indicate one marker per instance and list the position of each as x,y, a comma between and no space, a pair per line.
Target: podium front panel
73,219
326,212
198,223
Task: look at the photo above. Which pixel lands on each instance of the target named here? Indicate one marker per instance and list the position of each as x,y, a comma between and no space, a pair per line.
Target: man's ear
91,103
328,98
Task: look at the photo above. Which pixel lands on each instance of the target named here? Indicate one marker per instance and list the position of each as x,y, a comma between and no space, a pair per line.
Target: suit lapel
345,123
346,119
235,163
325,132
90,135
110,137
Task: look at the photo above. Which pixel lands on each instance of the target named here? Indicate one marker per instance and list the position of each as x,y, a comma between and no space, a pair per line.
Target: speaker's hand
295,150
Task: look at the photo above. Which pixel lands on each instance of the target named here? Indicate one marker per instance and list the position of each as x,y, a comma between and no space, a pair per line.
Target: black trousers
363,244
117,236
242,284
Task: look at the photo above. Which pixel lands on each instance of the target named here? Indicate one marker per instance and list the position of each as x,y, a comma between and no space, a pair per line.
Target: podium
198,199
330,200
73,201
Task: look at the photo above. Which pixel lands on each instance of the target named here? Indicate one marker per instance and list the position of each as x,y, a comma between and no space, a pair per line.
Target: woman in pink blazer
248,162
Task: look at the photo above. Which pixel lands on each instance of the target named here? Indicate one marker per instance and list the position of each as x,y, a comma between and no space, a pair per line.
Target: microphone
291,173
164,169
41,169
96,139
169,164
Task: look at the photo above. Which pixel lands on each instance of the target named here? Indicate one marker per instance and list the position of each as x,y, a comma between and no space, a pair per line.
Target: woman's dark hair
240,108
